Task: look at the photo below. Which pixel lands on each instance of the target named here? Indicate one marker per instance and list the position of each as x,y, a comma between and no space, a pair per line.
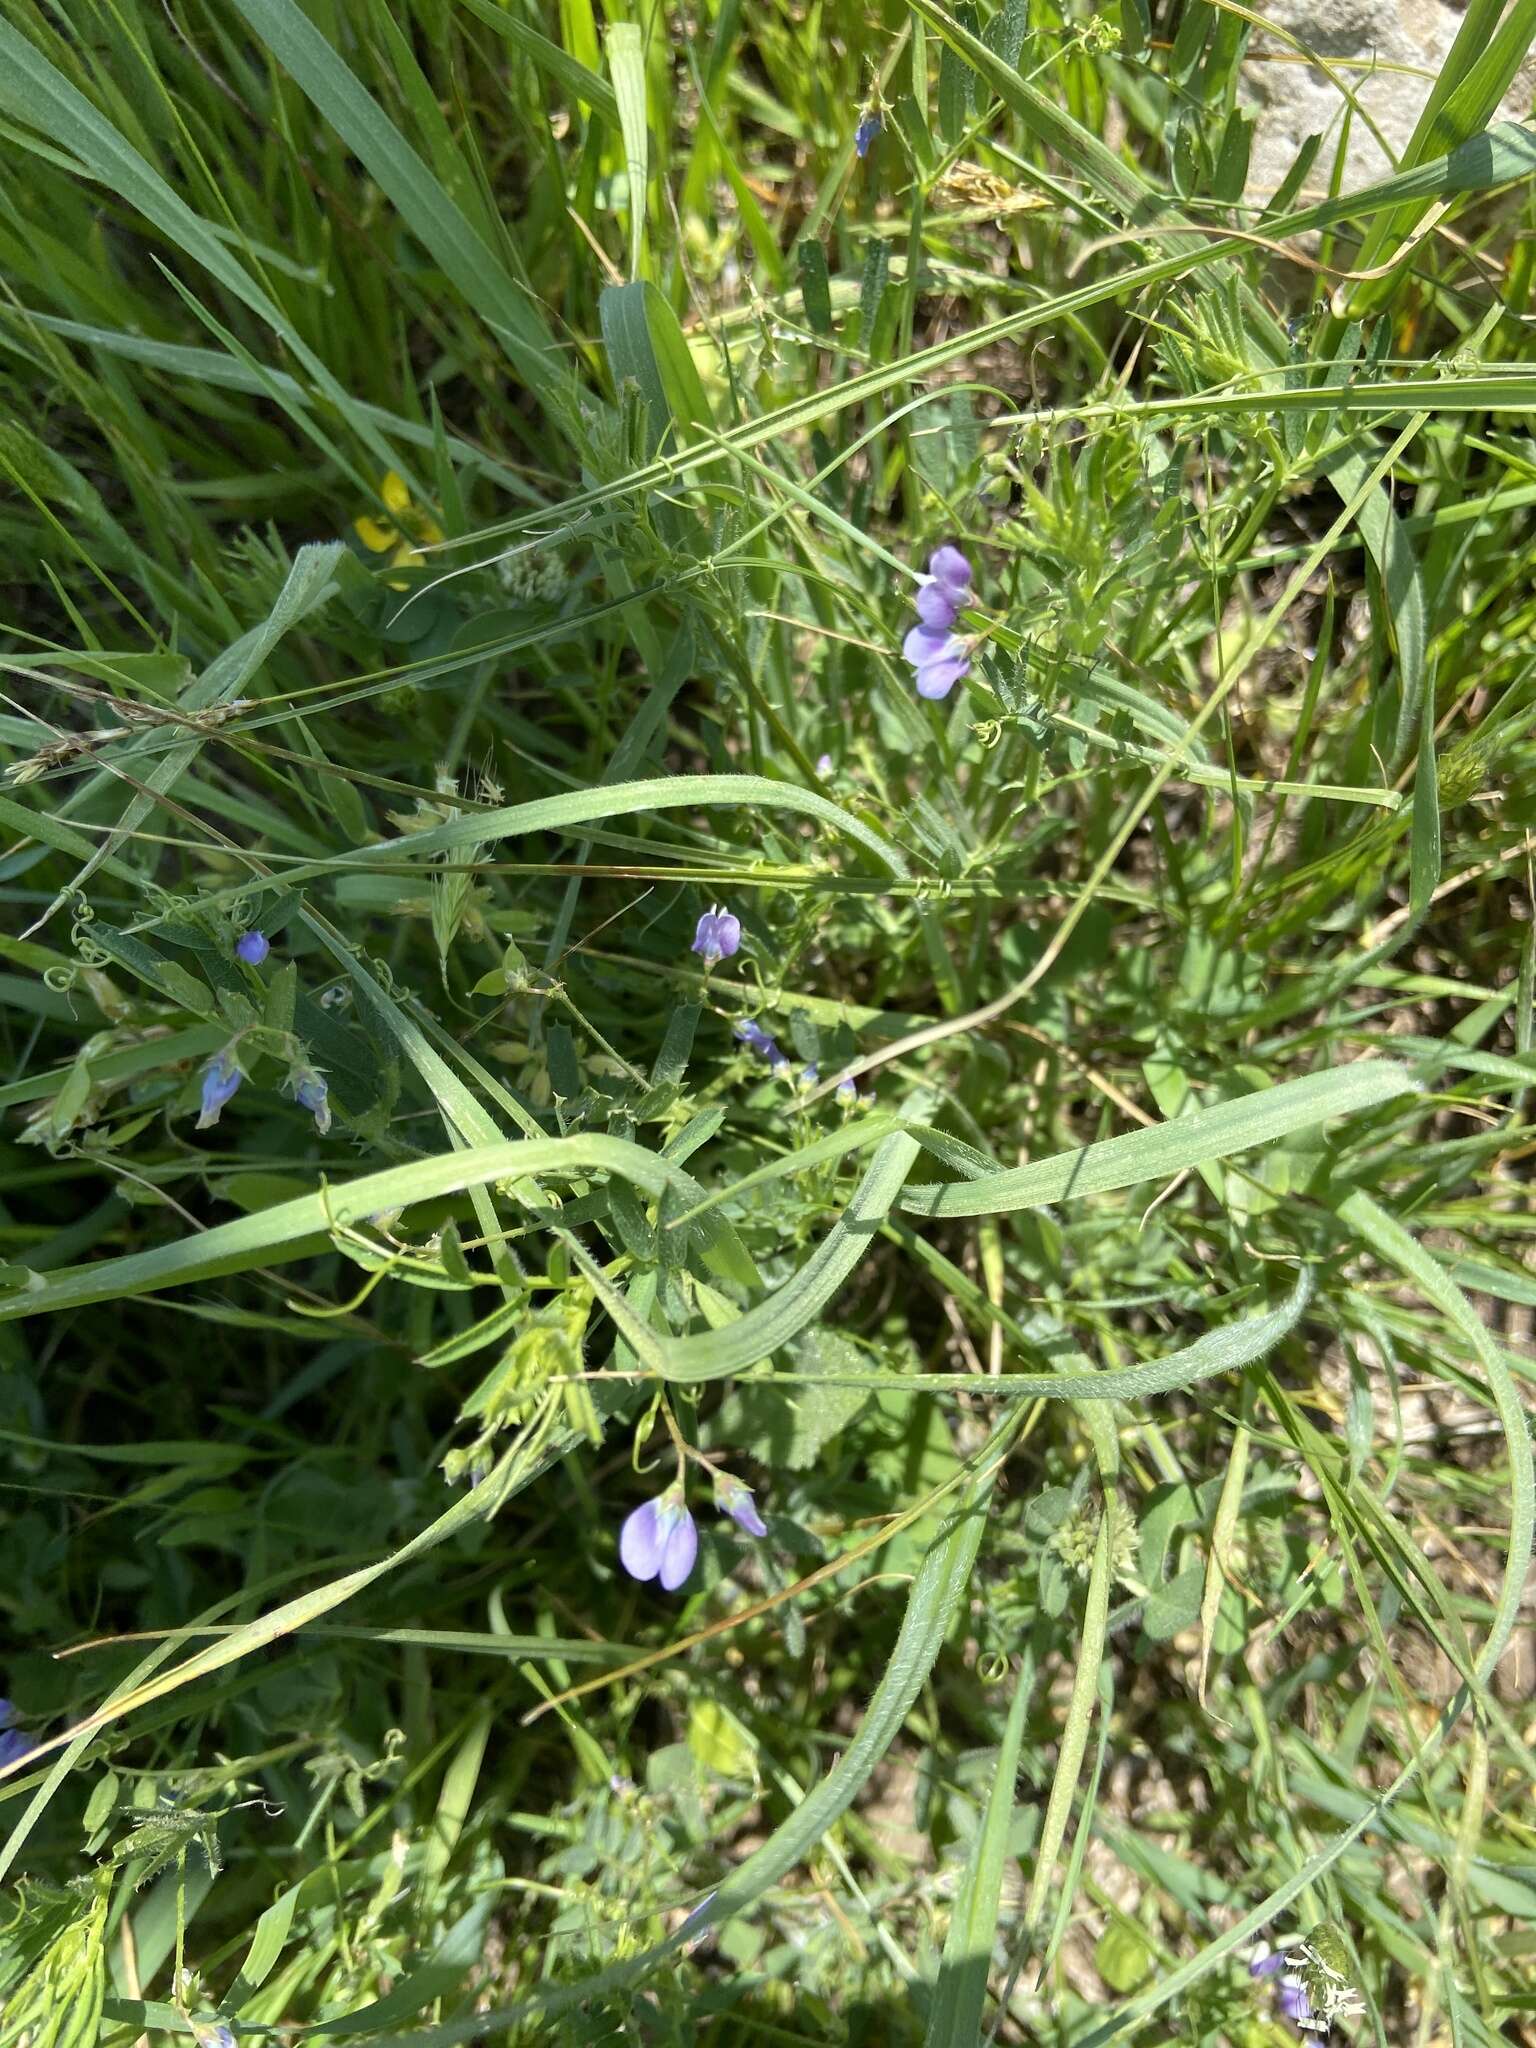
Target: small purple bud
825,765
659,1541
865,133
735,1500
753,1036
212,2037
718,934
778,1066
221,1077
309,1092
809,1076
252,948
847,1091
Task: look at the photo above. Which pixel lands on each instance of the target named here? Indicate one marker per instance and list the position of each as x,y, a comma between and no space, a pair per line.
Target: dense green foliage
467,469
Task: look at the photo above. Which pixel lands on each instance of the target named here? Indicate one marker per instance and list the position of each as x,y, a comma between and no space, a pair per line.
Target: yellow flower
398,537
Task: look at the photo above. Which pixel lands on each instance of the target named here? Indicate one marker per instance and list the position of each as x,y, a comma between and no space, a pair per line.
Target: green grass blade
960,1990
1169,1148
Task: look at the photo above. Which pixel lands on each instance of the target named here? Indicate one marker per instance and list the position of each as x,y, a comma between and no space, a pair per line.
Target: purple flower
14,1746
847,1092
809,1077
1290,1992
309,1092
947,566
221,1077
940,659
937,606
755,1038
718,935
1296,2006
778,1066
252,948
659,1540
735,1500
865,133
825,765
212,2037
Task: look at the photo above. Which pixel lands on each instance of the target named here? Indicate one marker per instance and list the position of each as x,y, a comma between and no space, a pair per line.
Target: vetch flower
13,1744
221,1077
659,1540
754,1037
847,1092
1297,2007
252,947
949,569
1290,1991
309,1092
937,606
778,1066
865,133
212,2036
735,1500
809,1076
718,934
940,659
825,765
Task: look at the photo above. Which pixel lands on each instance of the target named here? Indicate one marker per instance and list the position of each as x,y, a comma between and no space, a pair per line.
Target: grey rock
1387,53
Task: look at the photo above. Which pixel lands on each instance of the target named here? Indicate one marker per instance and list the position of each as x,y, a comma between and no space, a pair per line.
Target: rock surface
1387,52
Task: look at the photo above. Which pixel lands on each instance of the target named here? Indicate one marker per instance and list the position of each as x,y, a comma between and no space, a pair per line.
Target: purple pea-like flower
778,1066
221,1077
940,659
252,947
310,1092
847,1092
14,1746
212,2037
1290,1992
659,1540
864,135
939,654
1296,2006
825,765
754,1037
937,607
949,568
735,1500
718,934
809,1076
